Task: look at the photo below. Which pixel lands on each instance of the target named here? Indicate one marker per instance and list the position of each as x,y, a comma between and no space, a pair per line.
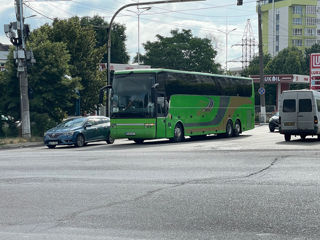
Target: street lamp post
227,33
144,9
110,28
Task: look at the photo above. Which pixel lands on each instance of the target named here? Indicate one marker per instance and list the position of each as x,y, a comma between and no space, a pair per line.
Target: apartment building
288,23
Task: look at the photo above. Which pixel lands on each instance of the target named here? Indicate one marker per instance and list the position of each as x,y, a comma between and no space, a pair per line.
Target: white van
299,113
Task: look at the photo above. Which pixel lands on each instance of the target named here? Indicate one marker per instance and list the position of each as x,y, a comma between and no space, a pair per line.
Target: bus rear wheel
237,128
229,129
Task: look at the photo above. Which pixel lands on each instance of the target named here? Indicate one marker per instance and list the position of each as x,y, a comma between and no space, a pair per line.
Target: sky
219,20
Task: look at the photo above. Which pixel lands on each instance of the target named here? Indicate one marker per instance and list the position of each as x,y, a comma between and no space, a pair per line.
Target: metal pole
109,36
261,66
22,73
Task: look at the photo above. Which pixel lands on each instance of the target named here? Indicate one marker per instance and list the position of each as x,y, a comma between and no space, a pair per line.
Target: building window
297,31
310,21
297,42
297,9
318,32
311,10
310,32
297,21
310,42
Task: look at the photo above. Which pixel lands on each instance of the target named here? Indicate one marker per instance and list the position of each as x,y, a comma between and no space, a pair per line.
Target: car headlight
69,134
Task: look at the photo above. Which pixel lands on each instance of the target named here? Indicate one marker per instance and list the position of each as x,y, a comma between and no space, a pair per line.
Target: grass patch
15,140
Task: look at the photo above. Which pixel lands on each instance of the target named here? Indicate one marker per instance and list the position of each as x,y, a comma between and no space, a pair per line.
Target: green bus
162,103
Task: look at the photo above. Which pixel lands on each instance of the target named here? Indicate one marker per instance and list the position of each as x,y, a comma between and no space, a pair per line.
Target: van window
318,105
305,105
289,105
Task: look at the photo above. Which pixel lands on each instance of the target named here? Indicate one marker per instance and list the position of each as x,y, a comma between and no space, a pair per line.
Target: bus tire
138,140
237,128
287,137
229,129
178,133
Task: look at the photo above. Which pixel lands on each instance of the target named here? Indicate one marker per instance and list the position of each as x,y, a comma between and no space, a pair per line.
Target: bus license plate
130,133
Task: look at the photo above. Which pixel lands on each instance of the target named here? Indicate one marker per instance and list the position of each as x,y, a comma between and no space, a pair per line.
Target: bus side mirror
111,77
154,86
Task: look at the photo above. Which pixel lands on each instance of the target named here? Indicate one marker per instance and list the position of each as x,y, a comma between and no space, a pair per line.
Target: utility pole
261,66
21,56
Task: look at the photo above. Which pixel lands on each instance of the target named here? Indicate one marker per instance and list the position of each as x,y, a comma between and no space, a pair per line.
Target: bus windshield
131,96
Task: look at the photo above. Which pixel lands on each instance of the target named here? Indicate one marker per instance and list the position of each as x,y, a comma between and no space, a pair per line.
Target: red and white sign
315,71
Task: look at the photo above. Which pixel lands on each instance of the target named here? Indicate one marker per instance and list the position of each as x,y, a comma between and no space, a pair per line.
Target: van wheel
287,137
303,137
229,129
178,133
237,129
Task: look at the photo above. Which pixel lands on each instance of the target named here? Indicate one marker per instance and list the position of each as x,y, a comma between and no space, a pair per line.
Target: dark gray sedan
79,131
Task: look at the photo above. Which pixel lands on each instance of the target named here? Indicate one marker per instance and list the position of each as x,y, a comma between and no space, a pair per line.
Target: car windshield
131,95
77,122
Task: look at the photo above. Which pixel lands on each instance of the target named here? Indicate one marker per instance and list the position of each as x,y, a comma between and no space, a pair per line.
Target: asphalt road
256,186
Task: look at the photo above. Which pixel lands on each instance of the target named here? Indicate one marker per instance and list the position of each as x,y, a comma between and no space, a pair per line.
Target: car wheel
271,127
51,146
287,137
80,142
138,140
178,133
237,128
110,140
229,129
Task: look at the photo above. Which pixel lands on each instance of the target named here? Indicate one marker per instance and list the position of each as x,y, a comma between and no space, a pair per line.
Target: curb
21,145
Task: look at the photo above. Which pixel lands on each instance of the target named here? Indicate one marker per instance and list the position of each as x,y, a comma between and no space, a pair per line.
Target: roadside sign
315,71
261,91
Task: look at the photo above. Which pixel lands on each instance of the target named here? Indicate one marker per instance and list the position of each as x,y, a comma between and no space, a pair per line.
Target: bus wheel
237,128
287,137
303,137
229,129
178,133
138,140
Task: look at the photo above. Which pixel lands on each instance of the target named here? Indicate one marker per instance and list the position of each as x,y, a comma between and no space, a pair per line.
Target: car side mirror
88,125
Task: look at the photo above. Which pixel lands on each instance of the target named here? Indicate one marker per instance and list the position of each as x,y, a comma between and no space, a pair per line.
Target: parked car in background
79,131
274,122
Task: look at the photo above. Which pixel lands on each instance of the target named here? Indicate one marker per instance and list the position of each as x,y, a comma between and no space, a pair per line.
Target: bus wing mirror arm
154,86
101,92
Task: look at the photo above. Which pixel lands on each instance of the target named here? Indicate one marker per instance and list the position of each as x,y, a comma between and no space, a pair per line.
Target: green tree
181,51
119,53
85,58
254,66
288,61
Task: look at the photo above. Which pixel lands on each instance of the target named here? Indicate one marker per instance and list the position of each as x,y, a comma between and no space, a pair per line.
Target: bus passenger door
162,110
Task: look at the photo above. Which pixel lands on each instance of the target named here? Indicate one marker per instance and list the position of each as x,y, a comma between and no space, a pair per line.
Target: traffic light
239,2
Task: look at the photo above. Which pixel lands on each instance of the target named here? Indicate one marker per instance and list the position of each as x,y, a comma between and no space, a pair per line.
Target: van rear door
289,111
306,108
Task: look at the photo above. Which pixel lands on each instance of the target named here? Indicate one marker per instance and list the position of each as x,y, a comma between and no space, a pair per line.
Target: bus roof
158,70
